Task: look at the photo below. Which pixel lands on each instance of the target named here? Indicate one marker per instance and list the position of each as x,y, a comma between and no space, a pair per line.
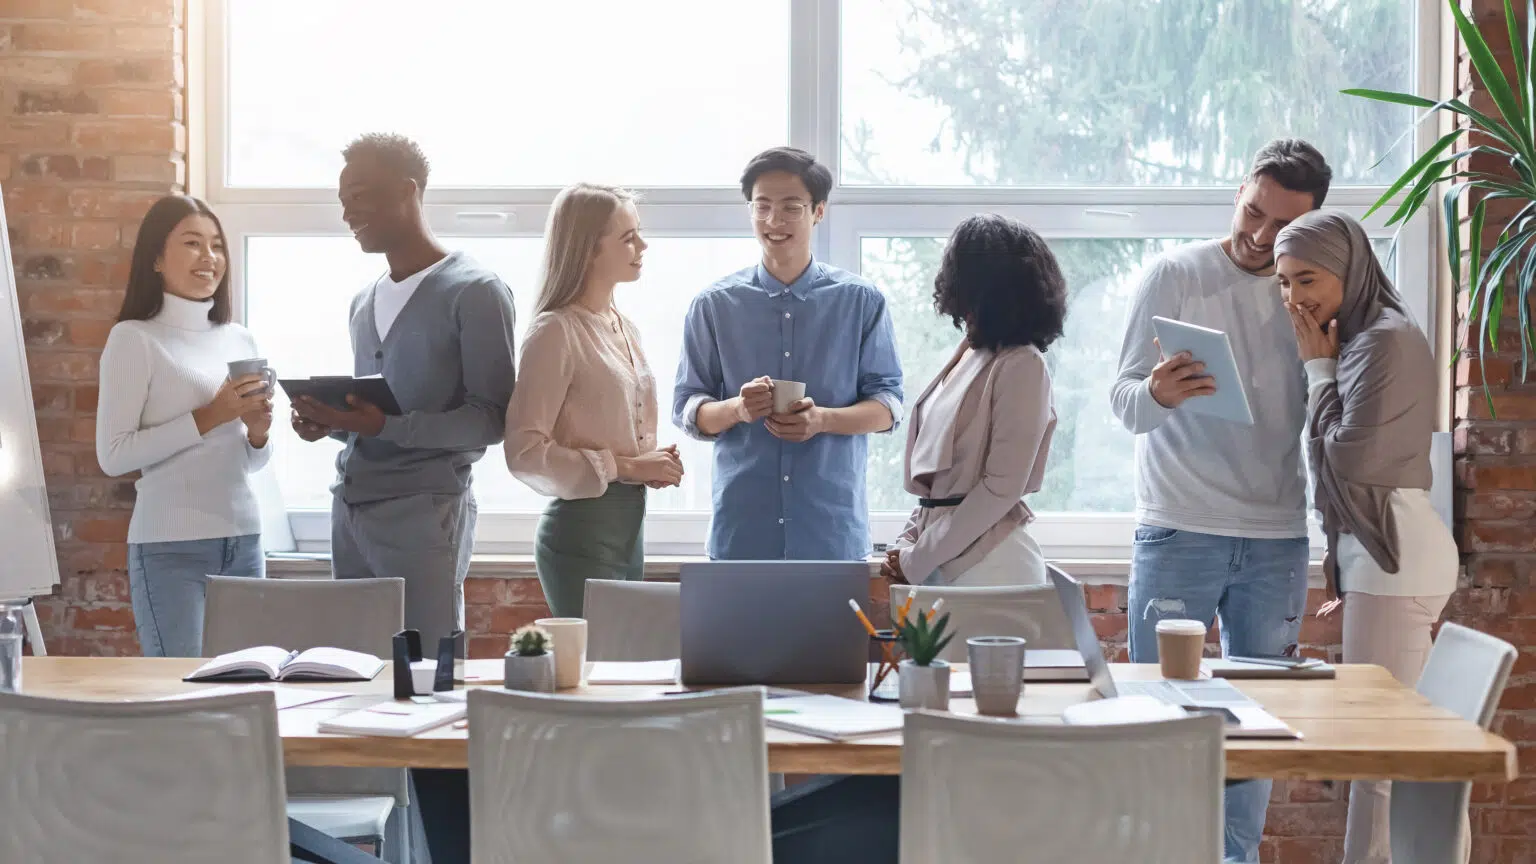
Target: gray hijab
1368,433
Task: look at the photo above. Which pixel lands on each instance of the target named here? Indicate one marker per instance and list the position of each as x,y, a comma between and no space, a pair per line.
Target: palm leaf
1488,71
1420,168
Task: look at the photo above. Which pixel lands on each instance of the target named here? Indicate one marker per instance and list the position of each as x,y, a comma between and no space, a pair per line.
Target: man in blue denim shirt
791,485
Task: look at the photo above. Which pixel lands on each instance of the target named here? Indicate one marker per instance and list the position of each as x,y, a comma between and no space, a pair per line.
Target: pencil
936,607
863,619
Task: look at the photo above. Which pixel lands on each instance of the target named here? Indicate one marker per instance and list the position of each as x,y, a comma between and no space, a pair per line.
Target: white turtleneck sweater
153,375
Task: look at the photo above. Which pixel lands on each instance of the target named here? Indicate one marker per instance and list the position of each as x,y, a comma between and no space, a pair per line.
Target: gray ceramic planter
924,686
535,674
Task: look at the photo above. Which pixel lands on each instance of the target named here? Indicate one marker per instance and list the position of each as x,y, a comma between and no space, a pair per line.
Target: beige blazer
984,435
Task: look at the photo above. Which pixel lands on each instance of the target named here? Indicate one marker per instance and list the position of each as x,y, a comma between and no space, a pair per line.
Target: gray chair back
1465,674
355,614
142,782
1031,611
632,620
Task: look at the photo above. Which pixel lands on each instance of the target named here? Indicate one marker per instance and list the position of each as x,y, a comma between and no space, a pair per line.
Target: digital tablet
1211,347
332,390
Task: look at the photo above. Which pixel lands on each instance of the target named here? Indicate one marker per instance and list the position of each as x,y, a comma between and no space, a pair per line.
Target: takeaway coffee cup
1180,643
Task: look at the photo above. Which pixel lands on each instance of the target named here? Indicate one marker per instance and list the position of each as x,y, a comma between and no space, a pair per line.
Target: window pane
1116,92
299,318
509,93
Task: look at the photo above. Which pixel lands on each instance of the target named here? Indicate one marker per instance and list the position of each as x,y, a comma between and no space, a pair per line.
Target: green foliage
923,644
1509,175
531,641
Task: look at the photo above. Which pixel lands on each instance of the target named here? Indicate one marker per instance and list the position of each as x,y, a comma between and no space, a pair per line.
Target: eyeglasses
762,211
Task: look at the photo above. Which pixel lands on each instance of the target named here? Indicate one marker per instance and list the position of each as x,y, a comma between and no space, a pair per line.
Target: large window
1118,128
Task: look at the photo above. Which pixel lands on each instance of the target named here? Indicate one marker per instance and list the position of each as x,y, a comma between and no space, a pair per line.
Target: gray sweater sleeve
1131,396
486,320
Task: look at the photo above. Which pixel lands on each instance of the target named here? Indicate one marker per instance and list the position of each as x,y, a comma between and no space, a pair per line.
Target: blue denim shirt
776,499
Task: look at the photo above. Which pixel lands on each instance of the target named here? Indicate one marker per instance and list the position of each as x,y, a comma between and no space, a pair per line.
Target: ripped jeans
1259,590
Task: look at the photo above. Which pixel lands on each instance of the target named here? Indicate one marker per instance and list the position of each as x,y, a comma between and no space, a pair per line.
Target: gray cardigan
449,360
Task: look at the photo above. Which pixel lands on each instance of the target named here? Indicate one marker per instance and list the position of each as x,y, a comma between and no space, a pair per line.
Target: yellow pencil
863,619
936,607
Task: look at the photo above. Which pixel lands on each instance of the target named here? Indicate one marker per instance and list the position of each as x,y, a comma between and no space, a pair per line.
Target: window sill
1093,571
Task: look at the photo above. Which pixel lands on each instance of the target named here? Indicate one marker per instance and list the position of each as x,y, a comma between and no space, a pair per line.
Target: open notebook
832,717
279,664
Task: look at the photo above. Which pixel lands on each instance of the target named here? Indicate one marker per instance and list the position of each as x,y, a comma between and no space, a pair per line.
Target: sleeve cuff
1321,370
691,417
909,563
187,431
1151,408
892,404
603,462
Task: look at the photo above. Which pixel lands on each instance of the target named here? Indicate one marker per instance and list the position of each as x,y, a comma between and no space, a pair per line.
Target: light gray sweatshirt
448,359
1203,474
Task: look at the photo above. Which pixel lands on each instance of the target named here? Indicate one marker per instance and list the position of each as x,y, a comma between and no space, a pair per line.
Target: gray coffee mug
253,366
997,673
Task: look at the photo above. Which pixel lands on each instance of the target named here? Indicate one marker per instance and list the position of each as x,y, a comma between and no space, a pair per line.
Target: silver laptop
773,622
1213,693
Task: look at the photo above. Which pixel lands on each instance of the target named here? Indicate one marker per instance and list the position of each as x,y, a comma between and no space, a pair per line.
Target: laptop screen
1076,606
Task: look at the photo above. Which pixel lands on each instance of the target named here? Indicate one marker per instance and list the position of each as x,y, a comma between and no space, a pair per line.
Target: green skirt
589,538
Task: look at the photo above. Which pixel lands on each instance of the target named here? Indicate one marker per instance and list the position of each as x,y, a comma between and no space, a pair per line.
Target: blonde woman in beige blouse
979,435
581,426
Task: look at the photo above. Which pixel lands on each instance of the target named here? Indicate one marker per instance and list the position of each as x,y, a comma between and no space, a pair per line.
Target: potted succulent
530,665
923,677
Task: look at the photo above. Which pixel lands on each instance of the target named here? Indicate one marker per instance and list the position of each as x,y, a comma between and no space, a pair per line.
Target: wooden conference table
1360,725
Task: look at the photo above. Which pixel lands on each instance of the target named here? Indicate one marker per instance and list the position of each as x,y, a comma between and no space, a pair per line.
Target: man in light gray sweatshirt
438,327
1221,507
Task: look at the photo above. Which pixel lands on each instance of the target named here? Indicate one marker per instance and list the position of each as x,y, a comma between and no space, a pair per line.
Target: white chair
1031,611
1465,674
142,782
981,791
563,780
350,804
632,620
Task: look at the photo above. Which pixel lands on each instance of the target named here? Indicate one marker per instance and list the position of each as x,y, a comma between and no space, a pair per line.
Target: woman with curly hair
978,437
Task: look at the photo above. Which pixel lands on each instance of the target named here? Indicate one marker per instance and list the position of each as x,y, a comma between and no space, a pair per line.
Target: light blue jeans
1258,588
168,583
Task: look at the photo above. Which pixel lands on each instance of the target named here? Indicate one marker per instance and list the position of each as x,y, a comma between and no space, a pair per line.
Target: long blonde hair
577,221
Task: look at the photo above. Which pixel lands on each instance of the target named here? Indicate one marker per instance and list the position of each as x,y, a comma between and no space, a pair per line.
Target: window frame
854,213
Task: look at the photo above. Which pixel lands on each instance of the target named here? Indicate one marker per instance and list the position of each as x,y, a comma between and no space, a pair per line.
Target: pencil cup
997,673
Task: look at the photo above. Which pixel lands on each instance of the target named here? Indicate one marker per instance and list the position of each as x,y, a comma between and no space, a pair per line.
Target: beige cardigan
984,435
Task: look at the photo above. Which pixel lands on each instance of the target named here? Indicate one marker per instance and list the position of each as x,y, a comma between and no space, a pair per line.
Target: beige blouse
584,395
985,435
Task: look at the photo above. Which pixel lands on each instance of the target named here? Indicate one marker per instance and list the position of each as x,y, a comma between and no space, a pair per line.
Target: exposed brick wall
91,132
1495,506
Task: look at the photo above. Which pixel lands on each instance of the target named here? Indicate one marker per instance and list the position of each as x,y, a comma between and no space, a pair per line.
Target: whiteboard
28,564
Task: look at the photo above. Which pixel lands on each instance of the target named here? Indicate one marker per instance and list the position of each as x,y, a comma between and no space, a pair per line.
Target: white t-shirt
389,296
1202,474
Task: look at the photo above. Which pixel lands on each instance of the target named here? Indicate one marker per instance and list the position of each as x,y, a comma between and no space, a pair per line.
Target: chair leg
307,844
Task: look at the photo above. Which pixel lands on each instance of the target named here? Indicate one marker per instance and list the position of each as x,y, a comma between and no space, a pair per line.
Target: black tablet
332,390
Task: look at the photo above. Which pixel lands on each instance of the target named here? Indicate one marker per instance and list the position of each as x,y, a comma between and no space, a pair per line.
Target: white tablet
1211,347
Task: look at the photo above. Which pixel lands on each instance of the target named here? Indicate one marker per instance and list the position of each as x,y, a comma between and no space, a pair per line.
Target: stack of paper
394,719
646,672
832,717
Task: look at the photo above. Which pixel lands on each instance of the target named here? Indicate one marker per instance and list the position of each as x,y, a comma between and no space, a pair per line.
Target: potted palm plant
923,677
1506,142
530,665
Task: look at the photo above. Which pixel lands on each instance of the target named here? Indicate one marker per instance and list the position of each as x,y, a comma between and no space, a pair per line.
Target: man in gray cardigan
438,327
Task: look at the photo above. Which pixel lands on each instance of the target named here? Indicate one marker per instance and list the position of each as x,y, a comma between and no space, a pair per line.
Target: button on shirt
830,329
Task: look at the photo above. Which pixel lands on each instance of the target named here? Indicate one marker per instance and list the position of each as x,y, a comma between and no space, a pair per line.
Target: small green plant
531,641
923,644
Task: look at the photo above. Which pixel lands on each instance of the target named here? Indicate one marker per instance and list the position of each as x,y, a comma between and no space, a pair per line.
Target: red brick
1110,626
1308,850
1483,441
161,170
484,592
1499,537
1306,820
102,618
40,133
1505,477
61,366
505,619
483,647
5,166
1471,404
1105,598
1475,371
51,399
1500,505
43,233
51,301
126,204
22,70
93,235
133,11
128,72
60,37
1520,697
113,530
1521,793
85,399
523,590
1487,793
162,104
39,8
1507,822
129,135
1322,631
1311,791
148,40
58,466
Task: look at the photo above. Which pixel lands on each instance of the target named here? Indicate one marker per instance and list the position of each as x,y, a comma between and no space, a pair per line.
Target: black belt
940,502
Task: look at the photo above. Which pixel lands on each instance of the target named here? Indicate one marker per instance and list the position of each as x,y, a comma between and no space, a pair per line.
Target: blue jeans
1258,588
168,582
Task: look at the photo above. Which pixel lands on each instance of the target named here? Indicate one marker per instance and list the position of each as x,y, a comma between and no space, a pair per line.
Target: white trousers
1015,561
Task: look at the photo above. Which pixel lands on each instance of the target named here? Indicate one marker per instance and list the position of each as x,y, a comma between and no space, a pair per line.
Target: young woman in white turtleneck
168,410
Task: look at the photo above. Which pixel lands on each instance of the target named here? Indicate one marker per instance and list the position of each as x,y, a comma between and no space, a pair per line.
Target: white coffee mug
569,637
785,394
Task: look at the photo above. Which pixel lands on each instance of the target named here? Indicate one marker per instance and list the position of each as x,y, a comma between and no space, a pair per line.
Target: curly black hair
1000,283
398,153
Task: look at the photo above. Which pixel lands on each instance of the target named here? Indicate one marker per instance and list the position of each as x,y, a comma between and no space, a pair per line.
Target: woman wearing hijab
1371,379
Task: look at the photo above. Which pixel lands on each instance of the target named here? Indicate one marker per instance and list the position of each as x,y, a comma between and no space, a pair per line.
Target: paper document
832,717
644,672
394,719
286,697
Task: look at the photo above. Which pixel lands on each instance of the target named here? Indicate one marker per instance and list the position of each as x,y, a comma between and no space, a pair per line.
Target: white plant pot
924,686
535,674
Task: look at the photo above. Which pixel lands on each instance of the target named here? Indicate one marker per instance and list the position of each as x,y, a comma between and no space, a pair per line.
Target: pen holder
407,654
885,644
